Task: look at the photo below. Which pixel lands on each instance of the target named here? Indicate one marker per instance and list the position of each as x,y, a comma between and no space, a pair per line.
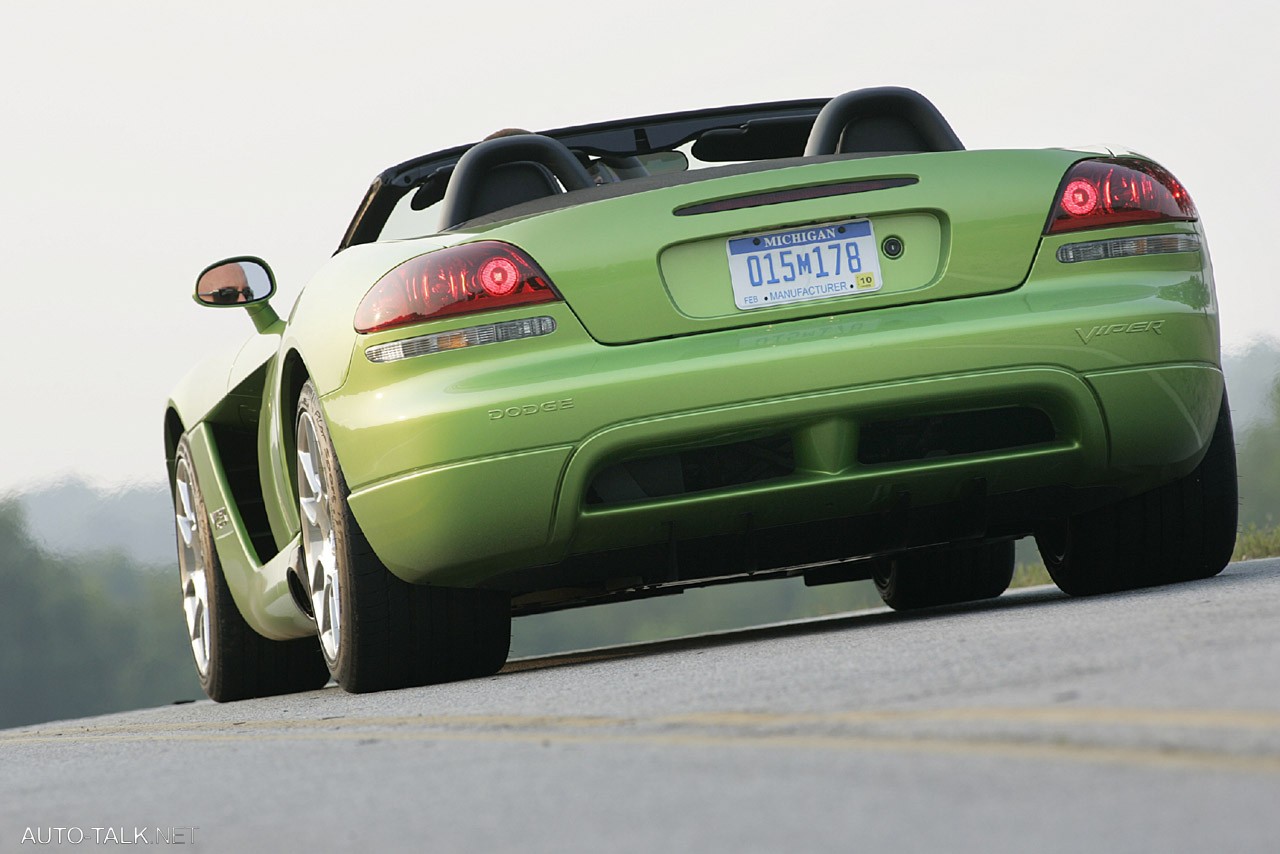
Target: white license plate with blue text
802,264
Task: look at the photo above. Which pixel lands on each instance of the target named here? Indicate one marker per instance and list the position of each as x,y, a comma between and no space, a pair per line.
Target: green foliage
1031,574
1258,461
84,635
1251,373
1254,542
135,519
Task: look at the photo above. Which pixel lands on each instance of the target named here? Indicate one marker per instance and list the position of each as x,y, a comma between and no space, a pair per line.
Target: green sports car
810,338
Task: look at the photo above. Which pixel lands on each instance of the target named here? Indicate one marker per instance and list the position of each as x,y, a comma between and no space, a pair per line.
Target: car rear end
840,357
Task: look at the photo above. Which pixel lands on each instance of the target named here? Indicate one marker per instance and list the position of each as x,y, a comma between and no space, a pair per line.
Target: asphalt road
1143,722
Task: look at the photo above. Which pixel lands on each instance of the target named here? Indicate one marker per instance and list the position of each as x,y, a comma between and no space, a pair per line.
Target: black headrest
888,118
530,162
510,184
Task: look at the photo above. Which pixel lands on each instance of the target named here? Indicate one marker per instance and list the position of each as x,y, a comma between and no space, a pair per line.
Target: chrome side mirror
235,282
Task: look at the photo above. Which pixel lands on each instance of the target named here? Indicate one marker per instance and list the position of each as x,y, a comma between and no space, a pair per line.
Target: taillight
460,280
1099,193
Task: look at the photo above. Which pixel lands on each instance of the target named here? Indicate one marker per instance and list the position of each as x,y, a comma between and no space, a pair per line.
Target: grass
1030,575
1254,542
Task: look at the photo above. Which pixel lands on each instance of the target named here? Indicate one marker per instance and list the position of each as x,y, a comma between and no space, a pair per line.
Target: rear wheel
233,661
1182,531
377,631
946,576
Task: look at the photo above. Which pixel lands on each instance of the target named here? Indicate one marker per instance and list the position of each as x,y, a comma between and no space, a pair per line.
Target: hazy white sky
143,139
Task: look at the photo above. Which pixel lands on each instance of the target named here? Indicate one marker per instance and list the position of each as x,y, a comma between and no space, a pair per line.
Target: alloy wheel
319,542
192,566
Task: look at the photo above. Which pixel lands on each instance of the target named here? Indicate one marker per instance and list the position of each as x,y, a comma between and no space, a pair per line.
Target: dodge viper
812,338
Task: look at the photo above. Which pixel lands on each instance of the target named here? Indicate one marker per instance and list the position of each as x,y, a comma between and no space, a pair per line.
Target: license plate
801,264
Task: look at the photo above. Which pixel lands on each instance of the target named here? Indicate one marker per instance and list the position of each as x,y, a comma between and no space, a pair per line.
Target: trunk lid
633,269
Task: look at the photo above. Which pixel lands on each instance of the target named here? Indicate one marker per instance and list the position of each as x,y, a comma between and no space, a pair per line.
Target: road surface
1143,722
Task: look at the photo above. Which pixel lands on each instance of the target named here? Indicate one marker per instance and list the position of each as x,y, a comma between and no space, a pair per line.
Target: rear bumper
463,523
450,494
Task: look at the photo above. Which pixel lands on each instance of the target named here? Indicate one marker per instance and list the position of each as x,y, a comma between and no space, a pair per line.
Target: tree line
85,634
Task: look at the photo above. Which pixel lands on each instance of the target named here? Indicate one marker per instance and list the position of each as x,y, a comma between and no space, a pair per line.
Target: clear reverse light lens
1128,247
472,336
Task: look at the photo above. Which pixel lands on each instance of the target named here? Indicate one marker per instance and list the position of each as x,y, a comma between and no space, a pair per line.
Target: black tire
392,634
946,576
1182,531
238,662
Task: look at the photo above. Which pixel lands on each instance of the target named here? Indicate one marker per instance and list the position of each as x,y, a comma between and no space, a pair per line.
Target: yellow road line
738,729
1183,759
1148,718
1185,718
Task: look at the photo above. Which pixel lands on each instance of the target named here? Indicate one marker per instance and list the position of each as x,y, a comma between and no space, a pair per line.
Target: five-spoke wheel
192,572
319,540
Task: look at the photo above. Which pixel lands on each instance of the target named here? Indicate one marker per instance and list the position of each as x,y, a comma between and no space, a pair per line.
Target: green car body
481,467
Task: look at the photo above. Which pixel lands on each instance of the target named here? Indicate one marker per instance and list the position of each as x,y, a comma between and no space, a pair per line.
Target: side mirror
235,282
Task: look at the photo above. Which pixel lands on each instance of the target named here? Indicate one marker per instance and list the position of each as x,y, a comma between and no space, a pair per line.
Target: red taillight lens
1080,198
1099,193
460,280
499,276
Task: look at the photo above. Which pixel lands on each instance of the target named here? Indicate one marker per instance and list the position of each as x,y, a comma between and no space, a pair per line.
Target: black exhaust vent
694,470
953,434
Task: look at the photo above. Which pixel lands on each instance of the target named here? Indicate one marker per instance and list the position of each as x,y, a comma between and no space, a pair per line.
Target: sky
144,139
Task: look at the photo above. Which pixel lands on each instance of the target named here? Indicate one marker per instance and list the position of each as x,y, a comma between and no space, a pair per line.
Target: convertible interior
517,174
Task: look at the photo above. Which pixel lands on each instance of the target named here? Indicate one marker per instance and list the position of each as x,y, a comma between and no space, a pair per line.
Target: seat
505,171
883,119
